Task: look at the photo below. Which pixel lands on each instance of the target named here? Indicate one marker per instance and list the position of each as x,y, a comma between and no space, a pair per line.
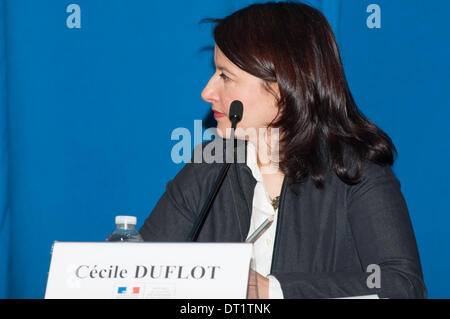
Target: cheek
258,114
259,105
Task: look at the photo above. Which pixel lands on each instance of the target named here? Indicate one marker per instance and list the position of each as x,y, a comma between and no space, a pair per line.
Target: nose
209,93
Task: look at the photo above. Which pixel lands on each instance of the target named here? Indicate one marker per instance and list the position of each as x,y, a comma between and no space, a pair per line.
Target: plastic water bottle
125,231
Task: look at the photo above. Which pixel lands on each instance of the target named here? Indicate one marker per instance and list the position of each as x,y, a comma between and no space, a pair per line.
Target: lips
218,114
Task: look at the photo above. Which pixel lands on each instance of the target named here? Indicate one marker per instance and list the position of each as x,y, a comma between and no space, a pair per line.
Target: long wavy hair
321,126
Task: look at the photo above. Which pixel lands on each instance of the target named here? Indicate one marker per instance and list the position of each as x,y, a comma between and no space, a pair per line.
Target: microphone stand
210,199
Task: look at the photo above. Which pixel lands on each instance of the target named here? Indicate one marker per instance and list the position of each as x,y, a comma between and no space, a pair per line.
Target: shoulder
192,182
377,181
206,162
197,169
372,171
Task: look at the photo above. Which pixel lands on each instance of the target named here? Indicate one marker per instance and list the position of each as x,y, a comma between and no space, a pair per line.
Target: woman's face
230,83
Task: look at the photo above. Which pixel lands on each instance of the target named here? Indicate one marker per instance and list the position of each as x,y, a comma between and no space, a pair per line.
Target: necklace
276,202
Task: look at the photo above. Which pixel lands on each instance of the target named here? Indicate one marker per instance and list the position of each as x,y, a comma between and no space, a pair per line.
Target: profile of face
230,83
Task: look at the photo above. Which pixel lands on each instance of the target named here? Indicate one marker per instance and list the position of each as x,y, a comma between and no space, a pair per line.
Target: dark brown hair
293,44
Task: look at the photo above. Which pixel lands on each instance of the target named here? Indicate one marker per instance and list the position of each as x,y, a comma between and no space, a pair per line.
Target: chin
220,132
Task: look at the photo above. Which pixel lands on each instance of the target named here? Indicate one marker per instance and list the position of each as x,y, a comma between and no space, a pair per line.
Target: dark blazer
325,238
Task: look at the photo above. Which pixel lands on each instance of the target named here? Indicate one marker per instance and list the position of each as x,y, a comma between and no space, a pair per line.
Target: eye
224,77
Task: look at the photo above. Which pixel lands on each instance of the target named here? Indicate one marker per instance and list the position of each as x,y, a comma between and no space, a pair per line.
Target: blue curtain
89,99
4,208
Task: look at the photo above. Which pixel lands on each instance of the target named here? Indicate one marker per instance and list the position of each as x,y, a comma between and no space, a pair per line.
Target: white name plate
101,270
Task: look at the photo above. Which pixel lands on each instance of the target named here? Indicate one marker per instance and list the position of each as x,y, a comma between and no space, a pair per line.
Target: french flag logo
128,291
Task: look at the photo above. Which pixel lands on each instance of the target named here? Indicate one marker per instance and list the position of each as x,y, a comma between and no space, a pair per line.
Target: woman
338,210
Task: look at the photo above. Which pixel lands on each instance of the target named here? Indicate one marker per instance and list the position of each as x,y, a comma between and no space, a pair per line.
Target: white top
261,209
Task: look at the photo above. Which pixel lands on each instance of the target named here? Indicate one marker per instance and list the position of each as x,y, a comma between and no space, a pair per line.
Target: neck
267,154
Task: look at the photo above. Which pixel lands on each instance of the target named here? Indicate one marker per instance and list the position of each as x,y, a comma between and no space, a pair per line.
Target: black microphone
236,112
235,115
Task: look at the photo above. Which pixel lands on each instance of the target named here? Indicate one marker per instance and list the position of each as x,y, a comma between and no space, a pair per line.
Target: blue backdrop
90,94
